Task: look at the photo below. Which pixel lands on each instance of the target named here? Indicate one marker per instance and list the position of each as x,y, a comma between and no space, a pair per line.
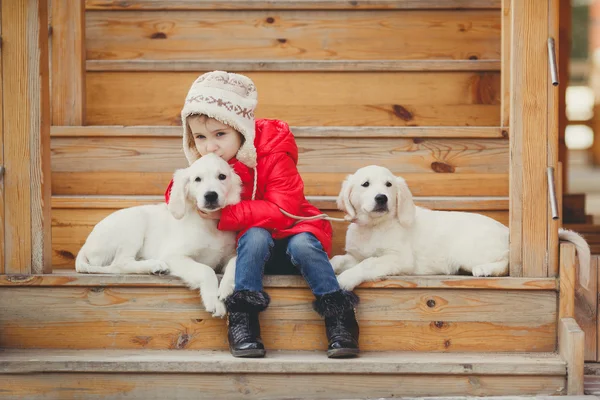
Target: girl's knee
256,239
303,245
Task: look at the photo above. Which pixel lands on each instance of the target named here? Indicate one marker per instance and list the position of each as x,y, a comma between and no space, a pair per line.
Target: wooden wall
411,85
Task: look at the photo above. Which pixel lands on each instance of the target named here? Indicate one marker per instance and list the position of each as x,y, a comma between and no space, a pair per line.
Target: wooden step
437,314
35,374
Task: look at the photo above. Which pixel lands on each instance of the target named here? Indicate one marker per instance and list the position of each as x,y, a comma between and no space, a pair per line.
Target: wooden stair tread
72,278
188,361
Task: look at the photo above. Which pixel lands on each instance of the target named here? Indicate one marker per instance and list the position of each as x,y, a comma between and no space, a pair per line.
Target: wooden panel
567,280
286,4
309,99
2,220
529,153
26,115
70,228
571,348
269,387
586,310
293,65
292,35
351,132
163,318
315,155
16,361
505,43
315,184
68,62
69,278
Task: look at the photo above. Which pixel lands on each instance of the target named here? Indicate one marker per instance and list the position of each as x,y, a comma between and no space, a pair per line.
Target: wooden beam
68,62
2,167
162,5
26,112
566,305
571,347
529,136
564,54
552,161
293,65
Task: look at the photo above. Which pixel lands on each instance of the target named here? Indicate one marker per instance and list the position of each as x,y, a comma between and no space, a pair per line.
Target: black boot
243,329
340,322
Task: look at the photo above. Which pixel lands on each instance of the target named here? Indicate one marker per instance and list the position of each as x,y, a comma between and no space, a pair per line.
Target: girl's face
212,136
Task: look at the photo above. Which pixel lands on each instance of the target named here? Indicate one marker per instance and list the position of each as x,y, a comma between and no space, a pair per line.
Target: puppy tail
583,252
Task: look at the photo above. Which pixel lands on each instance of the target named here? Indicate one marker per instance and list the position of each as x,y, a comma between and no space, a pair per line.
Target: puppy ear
343,201
405,206
179,193
235,190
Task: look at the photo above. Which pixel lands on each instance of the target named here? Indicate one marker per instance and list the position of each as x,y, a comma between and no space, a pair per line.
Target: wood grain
163,318
71,278
163,5
315,184
264,386
571,349
567,280
309,98
68,62
2,162
293,35
26,150
350,132
293,65
315,154
586,310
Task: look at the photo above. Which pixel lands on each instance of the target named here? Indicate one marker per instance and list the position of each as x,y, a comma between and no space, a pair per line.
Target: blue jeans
258,253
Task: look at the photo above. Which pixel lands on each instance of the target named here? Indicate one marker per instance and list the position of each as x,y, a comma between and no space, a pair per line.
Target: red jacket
279,186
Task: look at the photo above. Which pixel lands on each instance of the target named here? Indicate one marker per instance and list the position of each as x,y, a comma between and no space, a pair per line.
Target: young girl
218,117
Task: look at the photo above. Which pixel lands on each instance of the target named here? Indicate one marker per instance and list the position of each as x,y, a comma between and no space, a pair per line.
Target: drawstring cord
314,217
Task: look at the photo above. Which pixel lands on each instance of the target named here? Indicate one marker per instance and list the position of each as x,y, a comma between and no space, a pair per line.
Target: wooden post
68,62
529,214
26,134
564,42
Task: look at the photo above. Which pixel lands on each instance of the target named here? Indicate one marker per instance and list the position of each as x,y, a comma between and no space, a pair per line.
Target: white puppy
391,236
155,239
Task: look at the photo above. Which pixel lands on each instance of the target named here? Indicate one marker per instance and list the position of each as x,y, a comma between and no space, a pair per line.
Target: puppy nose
381,199
211,197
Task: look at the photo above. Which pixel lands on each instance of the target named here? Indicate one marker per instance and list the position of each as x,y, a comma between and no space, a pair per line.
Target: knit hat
228,98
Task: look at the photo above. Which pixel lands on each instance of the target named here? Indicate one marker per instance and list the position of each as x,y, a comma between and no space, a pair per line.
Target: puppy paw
161,268
210,302
226,288
481,271
337,263
220,310
347,280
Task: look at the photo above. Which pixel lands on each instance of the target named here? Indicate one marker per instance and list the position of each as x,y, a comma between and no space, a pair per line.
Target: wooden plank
552,144
586,310
386,98
529,153
27,149
564,56
188,5
350,132
292,65
244,386
505,61
68,62
571,349
70,278
315,154
293,35
172,318
322,202
71,227
2,220
567,280
194,362
315,184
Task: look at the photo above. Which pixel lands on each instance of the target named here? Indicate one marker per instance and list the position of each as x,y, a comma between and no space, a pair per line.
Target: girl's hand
210,215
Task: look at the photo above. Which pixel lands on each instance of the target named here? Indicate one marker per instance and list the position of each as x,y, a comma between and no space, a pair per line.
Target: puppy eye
222,177
366,184
197,179
388,184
